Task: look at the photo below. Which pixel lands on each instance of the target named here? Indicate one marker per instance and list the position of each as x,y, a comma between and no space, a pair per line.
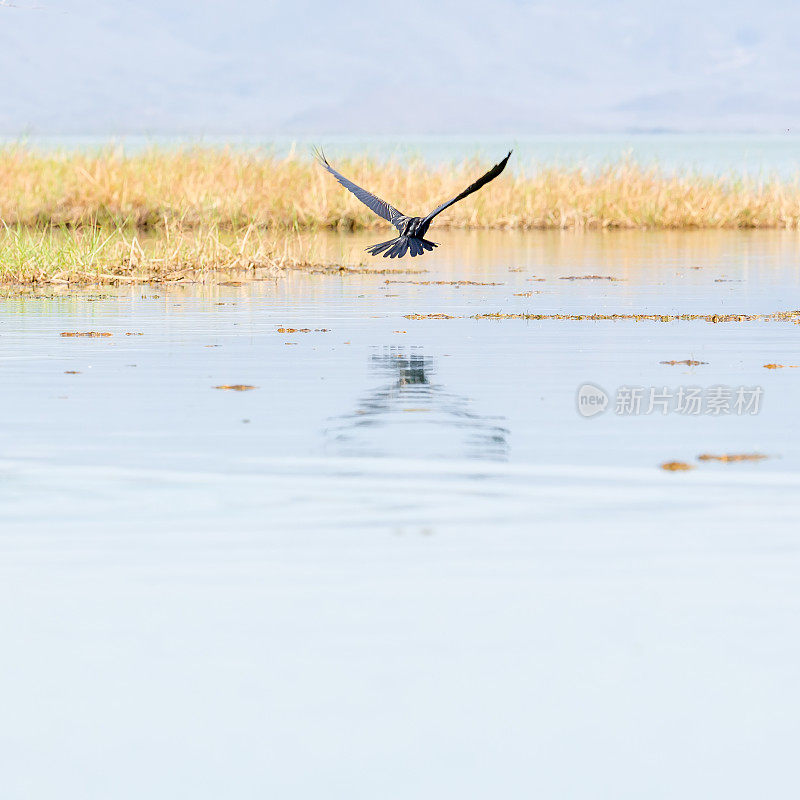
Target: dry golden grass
107,216
230,190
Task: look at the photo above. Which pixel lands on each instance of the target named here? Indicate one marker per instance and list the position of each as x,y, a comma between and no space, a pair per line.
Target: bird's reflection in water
411,415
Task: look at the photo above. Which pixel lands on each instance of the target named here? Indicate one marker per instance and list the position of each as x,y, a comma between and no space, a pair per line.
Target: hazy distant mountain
175,66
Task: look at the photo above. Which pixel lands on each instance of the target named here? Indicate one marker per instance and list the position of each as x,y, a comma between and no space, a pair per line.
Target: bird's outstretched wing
380,207
482,181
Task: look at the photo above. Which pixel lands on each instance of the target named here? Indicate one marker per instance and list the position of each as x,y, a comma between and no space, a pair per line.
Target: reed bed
93,254
233,191
162,214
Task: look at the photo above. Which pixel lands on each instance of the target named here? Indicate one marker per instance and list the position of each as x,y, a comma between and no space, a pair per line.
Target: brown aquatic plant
676,466
590,278
449,283
732,457
428,316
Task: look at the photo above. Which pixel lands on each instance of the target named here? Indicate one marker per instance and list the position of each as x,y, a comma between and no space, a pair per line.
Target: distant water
715,154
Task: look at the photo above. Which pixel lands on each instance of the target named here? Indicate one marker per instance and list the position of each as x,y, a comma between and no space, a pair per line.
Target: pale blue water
403,565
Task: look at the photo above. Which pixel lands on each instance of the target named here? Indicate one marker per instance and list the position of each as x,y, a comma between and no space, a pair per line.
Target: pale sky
246,67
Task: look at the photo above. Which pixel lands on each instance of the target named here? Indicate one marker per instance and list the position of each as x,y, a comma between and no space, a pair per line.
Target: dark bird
412,229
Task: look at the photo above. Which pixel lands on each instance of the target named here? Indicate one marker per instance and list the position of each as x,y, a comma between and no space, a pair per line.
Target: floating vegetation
589,278
730,457
686,361
303,330
236,387
429,316
341,270
526,294
715,318
90,334
781,366
72,372
448,283
789,316
676,466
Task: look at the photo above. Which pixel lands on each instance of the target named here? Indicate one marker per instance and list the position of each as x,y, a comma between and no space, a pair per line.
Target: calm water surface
404,564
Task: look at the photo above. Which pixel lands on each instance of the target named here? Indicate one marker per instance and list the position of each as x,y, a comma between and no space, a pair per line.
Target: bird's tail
397,248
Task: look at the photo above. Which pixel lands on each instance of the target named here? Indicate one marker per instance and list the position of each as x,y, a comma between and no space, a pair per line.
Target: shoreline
86,257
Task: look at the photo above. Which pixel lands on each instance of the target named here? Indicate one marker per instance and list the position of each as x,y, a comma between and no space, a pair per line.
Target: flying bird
412,229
